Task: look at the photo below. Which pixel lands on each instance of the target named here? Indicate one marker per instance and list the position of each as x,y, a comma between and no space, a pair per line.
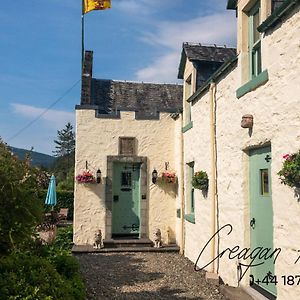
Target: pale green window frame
190,199
188,105
254,43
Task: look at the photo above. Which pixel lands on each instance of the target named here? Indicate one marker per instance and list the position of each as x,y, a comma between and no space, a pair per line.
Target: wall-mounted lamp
154,176
98,176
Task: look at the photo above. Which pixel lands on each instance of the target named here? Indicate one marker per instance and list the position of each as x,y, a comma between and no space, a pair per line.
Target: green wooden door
126,200
261,213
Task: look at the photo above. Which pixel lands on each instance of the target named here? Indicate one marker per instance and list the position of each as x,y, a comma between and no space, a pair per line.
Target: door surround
142,160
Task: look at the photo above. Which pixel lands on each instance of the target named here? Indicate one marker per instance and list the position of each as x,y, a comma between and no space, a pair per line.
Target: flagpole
82,36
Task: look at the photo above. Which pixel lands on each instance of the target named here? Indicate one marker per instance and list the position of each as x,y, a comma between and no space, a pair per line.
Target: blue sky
138,40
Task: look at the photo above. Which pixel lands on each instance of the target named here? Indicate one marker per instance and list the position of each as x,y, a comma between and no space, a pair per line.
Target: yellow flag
90,5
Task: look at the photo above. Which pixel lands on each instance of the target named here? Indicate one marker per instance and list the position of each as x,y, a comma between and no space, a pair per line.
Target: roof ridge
137,82
207,45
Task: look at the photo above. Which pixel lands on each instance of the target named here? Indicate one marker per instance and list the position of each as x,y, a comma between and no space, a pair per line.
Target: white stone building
132,129
262,82
125,131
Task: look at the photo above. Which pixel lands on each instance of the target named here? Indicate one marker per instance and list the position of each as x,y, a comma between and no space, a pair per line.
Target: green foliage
63,167
42,271
200,180
24,276
68,183
65,143
21,209
64,238
290,172
65,199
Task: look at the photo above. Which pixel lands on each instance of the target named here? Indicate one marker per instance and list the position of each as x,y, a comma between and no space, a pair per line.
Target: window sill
254,83
190,218
187,127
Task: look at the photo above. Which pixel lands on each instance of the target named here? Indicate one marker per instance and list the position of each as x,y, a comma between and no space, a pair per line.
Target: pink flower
286,156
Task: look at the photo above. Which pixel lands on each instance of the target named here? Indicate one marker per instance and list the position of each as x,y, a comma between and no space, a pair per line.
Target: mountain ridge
38,159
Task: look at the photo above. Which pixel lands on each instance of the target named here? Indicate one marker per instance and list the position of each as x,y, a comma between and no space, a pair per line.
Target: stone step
235,293
121,243
77,249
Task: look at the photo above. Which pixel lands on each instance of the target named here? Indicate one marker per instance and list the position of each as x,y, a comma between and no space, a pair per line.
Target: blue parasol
51,194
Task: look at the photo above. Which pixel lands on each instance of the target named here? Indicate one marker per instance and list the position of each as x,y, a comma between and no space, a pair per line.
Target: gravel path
143,275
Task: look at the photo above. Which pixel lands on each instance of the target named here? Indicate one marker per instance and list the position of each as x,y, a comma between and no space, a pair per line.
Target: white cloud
57,118
213,29
163,69
217,29
142,7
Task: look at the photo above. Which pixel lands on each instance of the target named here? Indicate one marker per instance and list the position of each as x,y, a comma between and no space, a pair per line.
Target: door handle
252,223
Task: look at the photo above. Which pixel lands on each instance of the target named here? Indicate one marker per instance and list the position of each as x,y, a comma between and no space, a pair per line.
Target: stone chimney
86,83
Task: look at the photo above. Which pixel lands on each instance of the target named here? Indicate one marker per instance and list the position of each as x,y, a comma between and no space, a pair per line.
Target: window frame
254,47
189,196
188,92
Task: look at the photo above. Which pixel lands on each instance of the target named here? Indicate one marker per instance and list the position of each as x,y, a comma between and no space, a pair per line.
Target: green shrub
64,238
20,209
290,172
24,276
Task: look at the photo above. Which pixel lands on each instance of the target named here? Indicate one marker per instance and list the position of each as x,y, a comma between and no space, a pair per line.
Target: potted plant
86,177
200,181
168,177
290,172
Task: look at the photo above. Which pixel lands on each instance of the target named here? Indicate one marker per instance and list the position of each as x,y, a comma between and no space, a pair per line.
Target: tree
65,143
21,209
65,153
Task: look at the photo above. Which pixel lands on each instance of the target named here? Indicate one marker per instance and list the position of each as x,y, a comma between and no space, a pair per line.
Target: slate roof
144,98
199,53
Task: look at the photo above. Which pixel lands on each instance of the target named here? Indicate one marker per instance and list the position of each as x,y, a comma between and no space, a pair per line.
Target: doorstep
77,249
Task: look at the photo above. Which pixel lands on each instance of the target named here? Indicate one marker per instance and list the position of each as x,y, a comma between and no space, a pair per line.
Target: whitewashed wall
276,110
96,139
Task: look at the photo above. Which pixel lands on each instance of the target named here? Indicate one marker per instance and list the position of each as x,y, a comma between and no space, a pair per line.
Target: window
190,201
254,41
264,182
188,91
276,4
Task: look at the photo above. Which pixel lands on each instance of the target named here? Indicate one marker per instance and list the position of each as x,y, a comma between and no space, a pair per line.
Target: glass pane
256,21
192,202
264,178
258,61
126,179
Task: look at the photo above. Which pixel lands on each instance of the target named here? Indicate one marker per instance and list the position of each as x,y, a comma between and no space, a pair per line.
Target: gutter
213,182
182,244
277,14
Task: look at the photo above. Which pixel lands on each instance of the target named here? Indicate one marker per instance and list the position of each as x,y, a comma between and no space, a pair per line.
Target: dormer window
254,41
188,88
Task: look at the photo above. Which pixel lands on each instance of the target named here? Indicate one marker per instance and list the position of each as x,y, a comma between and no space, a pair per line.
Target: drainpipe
182,209
213,181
